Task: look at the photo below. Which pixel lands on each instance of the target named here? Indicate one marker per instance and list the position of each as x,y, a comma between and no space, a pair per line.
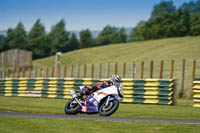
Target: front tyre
71,107
109,109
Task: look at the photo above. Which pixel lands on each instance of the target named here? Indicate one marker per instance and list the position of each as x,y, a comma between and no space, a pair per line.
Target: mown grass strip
183,109
41,125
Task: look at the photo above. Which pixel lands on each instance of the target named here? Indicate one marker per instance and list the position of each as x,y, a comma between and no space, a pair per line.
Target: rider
115,80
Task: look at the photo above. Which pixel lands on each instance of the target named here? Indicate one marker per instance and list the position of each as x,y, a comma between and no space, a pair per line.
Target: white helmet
116,78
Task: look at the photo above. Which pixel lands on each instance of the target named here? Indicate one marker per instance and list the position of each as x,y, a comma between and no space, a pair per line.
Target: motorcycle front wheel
108,110
71,107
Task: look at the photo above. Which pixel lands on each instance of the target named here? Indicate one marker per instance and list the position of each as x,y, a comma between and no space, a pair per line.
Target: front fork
78,101
107,101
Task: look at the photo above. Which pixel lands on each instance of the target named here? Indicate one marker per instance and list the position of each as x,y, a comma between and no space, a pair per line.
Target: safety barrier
196,93
155,91
158,91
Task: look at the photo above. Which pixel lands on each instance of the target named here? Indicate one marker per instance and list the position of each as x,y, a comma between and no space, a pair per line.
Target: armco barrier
155,91
196,93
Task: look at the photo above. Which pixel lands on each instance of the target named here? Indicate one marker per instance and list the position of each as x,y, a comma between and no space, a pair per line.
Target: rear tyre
71,107
109,109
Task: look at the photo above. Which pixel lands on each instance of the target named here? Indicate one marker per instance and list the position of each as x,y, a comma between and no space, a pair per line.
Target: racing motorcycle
104,101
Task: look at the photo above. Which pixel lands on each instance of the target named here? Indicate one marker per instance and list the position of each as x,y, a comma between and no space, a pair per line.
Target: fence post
193,71
193,75
29,75
92,70
30,58
18,73
65,70
124,70
58,71
100,70
78,71
52,72
23,73
108,70
142,69
7,73
161,68
84,71
116,66
35,72
151,69
3,73
41,72
134,70
183,78
47,72
172,69
14,70
72,71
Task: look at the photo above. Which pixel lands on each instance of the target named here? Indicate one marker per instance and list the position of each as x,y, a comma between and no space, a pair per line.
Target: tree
59,38
122,35
182,23
1,42
108,35
17,38
163,8
195,25
135,35
37,41
7,40
175,24
73,42
86,39
1,38
105,35
192,7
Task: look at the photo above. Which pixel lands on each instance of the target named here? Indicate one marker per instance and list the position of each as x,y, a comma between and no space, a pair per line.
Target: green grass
164,49
39,125
183,109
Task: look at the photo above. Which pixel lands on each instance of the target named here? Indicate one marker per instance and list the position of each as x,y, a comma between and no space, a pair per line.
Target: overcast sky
78,14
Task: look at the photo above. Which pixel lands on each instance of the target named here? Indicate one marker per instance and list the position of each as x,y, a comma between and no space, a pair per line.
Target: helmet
116,78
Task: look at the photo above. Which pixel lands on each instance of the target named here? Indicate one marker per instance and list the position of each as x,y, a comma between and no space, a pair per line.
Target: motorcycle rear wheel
71,107
109,109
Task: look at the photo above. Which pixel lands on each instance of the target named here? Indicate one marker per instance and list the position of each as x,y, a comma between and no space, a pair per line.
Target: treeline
167,21
44,44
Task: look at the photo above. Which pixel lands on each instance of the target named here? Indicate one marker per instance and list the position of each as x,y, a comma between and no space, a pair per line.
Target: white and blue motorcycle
104,101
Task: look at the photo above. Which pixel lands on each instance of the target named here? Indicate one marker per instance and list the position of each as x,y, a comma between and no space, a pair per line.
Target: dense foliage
44,44
165,21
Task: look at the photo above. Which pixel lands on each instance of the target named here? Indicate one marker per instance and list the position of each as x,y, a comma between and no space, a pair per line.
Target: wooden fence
15,58
185,71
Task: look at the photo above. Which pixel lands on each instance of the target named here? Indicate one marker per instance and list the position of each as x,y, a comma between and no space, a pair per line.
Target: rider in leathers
115,80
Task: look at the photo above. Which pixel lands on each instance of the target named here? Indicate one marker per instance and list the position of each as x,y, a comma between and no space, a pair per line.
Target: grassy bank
163,49
183,109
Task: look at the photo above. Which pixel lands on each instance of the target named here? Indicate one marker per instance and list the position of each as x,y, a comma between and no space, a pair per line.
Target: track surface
17,114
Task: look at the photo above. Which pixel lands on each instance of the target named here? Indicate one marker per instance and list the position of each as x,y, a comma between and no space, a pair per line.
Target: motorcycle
104,101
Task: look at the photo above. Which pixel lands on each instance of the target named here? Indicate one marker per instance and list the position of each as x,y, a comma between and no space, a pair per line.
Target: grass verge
40,125
183,109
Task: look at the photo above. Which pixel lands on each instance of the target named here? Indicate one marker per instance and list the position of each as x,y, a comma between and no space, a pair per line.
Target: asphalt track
92,117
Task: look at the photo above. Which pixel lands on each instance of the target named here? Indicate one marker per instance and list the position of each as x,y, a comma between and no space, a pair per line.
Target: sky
78,14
